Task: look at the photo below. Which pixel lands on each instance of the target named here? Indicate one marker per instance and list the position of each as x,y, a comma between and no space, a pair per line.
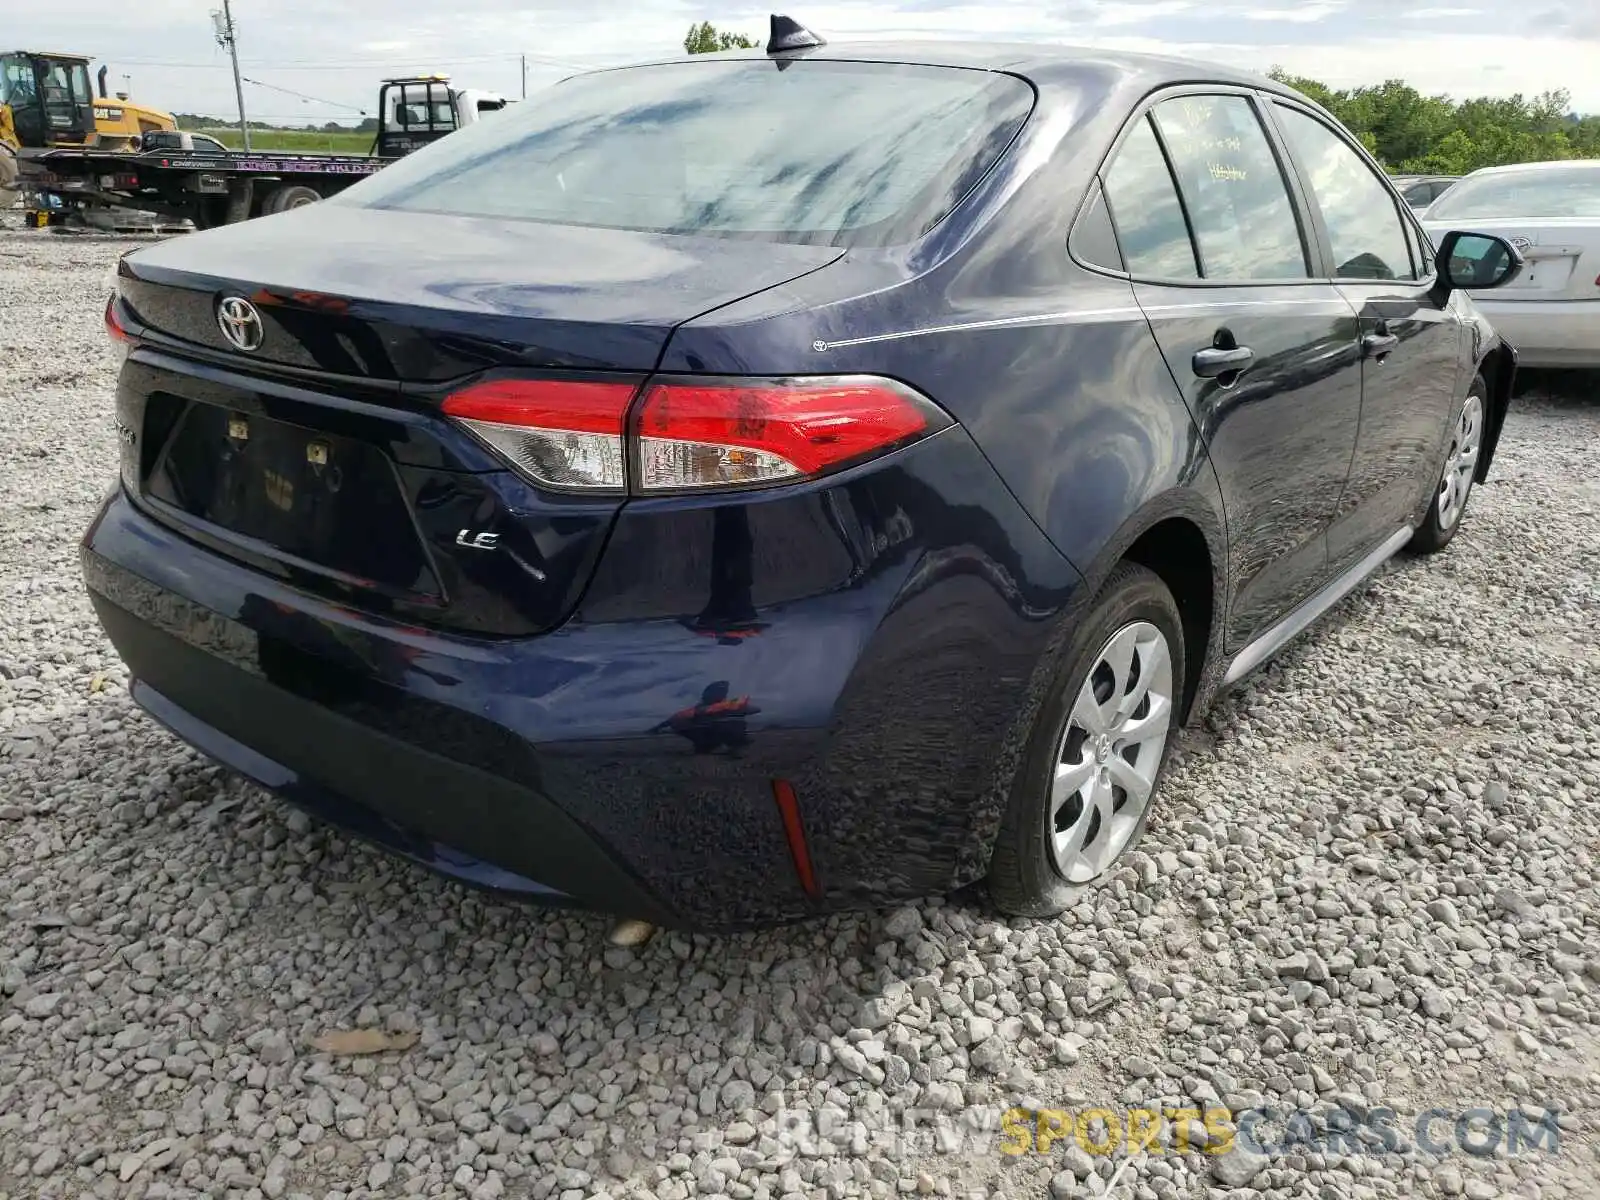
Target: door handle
1377,345
1214,360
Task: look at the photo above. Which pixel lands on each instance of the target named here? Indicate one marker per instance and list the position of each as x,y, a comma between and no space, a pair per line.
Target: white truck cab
417,110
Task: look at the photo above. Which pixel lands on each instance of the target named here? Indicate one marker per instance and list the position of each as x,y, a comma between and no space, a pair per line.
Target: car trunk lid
403,296
323,455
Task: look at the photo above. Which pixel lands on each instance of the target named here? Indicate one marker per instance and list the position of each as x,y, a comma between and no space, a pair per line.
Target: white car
1550,212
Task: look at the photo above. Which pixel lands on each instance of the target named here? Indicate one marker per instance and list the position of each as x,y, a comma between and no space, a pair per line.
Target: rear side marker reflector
794,832
114,328
691,433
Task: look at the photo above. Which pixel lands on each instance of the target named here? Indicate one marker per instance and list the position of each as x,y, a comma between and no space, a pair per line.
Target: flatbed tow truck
178,180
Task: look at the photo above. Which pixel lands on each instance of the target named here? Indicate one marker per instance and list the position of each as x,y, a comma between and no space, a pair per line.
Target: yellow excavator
46,103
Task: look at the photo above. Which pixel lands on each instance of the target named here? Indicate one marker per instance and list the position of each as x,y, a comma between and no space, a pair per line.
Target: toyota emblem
1522,244
240,323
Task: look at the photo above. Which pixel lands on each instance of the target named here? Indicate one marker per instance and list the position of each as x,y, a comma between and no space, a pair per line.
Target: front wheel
1456,477
1096,753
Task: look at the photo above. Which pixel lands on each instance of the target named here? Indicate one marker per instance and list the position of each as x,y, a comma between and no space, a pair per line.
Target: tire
290,196
1034,871
209,212
1453,485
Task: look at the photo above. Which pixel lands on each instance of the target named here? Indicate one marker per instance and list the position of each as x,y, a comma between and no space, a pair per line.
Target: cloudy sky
319,60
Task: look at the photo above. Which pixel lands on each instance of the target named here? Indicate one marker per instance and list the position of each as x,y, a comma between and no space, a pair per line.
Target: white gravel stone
1370,881
1238,1167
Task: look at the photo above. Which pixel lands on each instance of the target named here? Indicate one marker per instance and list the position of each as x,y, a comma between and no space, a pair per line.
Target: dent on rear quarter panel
882,624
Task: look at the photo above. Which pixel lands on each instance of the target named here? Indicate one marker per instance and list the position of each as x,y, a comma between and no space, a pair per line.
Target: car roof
1043,62
1554,164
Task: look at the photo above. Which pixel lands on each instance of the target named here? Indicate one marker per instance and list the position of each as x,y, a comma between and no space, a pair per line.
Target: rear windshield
821,151
1554,192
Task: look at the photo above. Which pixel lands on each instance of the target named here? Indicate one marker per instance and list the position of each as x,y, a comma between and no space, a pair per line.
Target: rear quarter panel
1052,369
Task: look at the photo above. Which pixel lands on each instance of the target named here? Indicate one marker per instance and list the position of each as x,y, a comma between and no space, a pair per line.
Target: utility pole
225,37
524,76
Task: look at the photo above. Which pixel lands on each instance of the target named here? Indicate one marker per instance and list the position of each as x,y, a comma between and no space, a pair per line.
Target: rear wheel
290,195
1096,753
1456,477
209,212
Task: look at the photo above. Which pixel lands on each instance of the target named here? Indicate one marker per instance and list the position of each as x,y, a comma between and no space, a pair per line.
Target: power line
356,65
303,96
255,117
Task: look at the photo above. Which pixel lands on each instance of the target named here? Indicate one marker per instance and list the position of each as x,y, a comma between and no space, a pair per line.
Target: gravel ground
1369,885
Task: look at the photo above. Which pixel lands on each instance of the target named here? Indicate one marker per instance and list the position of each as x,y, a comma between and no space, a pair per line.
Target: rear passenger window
1238,203
1364,226
1144,206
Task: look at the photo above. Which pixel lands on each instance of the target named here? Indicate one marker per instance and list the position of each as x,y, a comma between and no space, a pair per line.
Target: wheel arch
1180,535
1498,366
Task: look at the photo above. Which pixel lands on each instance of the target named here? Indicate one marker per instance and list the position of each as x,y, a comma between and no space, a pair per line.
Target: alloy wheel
1460,462
1110,751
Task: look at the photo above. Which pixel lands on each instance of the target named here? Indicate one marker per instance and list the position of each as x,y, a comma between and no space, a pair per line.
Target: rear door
1265,353
1410,340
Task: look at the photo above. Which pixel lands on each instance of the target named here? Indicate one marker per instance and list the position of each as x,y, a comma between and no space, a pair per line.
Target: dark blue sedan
727,490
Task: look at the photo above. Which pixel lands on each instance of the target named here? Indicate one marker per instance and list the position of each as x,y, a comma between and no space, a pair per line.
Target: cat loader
46,103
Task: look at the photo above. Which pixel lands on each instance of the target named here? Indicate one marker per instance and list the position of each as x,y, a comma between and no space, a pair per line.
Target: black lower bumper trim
451,816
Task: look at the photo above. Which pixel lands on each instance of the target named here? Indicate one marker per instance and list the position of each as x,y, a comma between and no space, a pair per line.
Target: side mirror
1477,261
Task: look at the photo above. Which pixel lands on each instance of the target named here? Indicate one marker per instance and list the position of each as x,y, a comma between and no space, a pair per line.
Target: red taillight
564,434
114,327
714,433
691,433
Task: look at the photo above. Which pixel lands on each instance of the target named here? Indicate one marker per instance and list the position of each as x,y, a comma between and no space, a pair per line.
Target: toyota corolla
732,489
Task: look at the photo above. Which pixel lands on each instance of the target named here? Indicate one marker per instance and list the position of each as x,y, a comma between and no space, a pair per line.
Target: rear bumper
432,809
1547,333
576,767
318,711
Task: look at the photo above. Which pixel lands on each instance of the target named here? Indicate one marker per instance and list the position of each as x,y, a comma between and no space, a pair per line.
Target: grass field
296,139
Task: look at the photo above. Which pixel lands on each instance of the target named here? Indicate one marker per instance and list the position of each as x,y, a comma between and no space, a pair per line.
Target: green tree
1454,154
706,38
1310,88
1412,133
1402,121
